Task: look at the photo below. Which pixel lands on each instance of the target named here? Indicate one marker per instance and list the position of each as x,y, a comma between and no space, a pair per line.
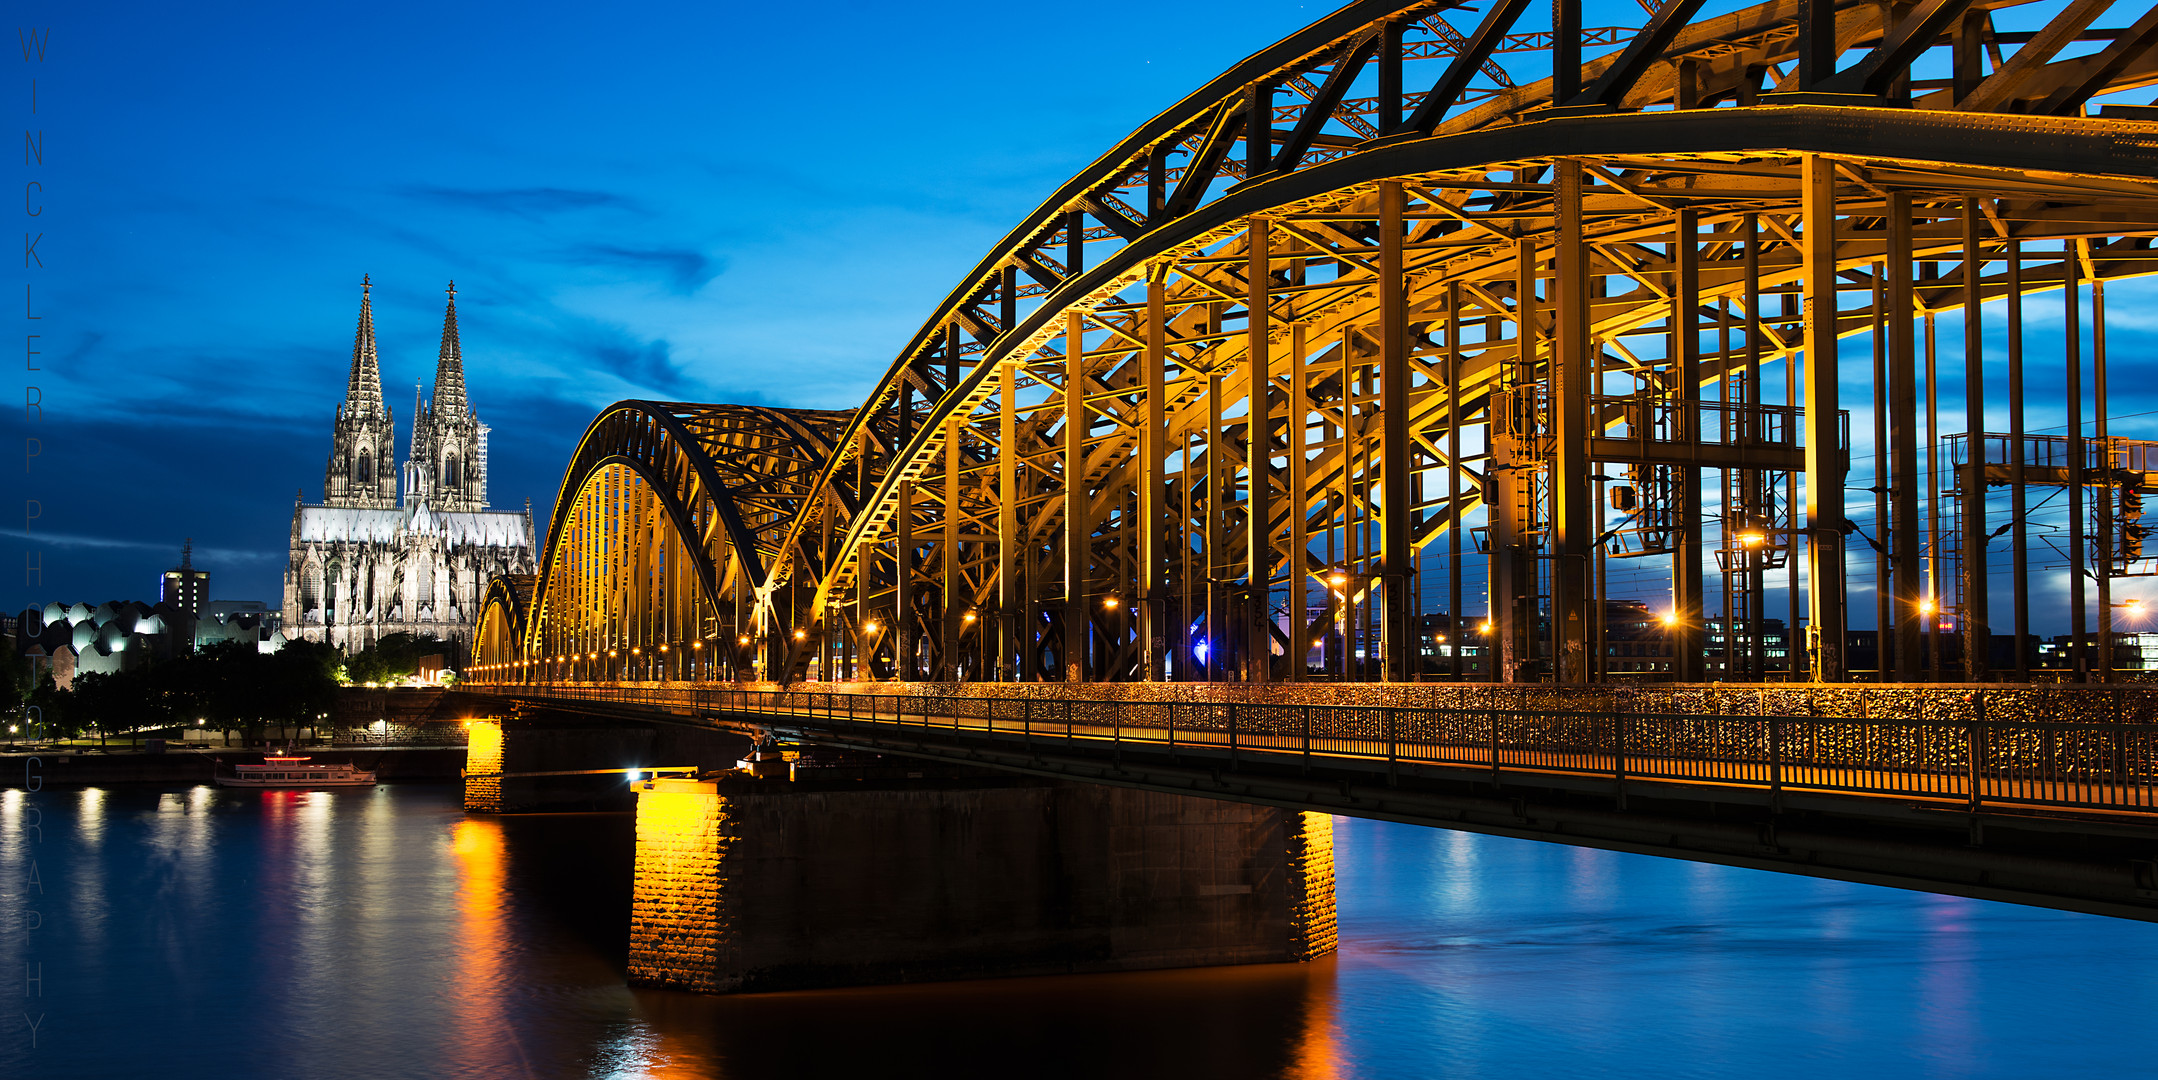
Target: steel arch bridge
1423,280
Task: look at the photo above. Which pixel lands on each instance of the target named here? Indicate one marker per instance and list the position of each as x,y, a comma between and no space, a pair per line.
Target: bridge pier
745,885
582,759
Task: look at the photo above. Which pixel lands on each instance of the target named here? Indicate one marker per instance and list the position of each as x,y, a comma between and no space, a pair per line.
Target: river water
196,932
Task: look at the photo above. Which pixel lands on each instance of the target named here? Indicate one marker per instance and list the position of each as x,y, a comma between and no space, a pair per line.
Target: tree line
228,687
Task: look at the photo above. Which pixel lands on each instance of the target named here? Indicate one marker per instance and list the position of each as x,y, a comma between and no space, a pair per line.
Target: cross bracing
1373,292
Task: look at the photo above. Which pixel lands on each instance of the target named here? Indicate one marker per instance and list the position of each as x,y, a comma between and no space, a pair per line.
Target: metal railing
1967,761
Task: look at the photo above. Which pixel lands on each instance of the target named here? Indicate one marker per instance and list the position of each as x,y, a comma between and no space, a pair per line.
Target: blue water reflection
382,933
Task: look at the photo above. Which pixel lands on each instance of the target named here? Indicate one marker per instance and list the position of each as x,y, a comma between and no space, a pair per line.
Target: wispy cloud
532,203
644,364
685,270
107,543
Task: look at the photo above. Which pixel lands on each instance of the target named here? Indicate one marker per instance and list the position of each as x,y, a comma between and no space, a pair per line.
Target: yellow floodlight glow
1670,618
969,616
869,628
1484,627
1337,579
1752,539
800,634
1925,606
1109,602
744,639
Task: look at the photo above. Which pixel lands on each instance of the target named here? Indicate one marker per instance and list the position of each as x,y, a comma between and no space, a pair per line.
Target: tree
395,656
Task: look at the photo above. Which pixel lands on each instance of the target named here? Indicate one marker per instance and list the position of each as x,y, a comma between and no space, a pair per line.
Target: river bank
81,767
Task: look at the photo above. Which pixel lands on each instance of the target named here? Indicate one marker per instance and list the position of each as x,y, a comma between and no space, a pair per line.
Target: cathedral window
366,473
451,478
311,588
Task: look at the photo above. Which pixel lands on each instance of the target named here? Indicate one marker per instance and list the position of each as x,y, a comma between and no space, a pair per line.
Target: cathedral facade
380,553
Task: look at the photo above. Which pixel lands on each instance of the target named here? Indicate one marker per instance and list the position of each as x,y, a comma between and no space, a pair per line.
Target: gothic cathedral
372,559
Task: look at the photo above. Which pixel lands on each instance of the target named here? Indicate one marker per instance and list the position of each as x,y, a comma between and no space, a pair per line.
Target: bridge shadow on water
567,878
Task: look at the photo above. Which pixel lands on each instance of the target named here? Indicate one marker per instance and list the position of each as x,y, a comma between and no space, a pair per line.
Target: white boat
287,771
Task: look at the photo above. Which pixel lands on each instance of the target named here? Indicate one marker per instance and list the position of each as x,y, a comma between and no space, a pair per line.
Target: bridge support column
748,885
1824,429
551,761
483,767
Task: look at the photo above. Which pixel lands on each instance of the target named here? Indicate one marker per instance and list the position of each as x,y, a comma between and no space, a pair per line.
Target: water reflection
482,1041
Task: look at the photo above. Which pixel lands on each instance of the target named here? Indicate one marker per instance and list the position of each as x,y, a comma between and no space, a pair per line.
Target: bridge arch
664,552
1489,307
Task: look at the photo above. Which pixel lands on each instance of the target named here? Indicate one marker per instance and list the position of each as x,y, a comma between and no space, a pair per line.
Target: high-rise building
185,587
371,559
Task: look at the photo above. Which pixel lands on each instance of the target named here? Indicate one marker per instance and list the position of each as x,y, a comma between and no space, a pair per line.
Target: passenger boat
286,771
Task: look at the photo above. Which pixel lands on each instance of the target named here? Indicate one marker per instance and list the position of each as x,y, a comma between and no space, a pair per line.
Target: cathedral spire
363,442
363,392
450,365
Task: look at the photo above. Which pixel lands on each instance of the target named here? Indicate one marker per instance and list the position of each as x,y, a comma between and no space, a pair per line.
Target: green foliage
230,686
394,657
15,682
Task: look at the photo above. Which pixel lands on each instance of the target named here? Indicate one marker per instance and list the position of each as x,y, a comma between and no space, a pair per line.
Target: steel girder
1402,248
693,501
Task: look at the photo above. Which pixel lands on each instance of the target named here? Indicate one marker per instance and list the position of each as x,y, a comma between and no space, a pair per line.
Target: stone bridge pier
746,884
533,761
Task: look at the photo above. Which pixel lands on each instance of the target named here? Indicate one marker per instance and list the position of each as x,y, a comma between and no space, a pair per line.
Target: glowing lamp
1337,580
1109,602
1925,606
1485,627
1752,539
1670,618
744,639
969,616
869,628
800,634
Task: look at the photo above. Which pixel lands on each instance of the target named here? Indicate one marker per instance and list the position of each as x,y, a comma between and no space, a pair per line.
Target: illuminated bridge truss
1391,286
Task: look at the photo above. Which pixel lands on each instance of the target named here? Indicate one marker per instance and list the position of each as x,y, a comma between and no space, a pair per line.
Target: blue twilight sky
692,202
681,201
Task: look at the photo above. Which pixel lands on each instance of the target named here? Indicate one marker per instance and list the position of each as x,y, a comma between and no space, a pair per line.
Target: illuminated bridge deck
1964,794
